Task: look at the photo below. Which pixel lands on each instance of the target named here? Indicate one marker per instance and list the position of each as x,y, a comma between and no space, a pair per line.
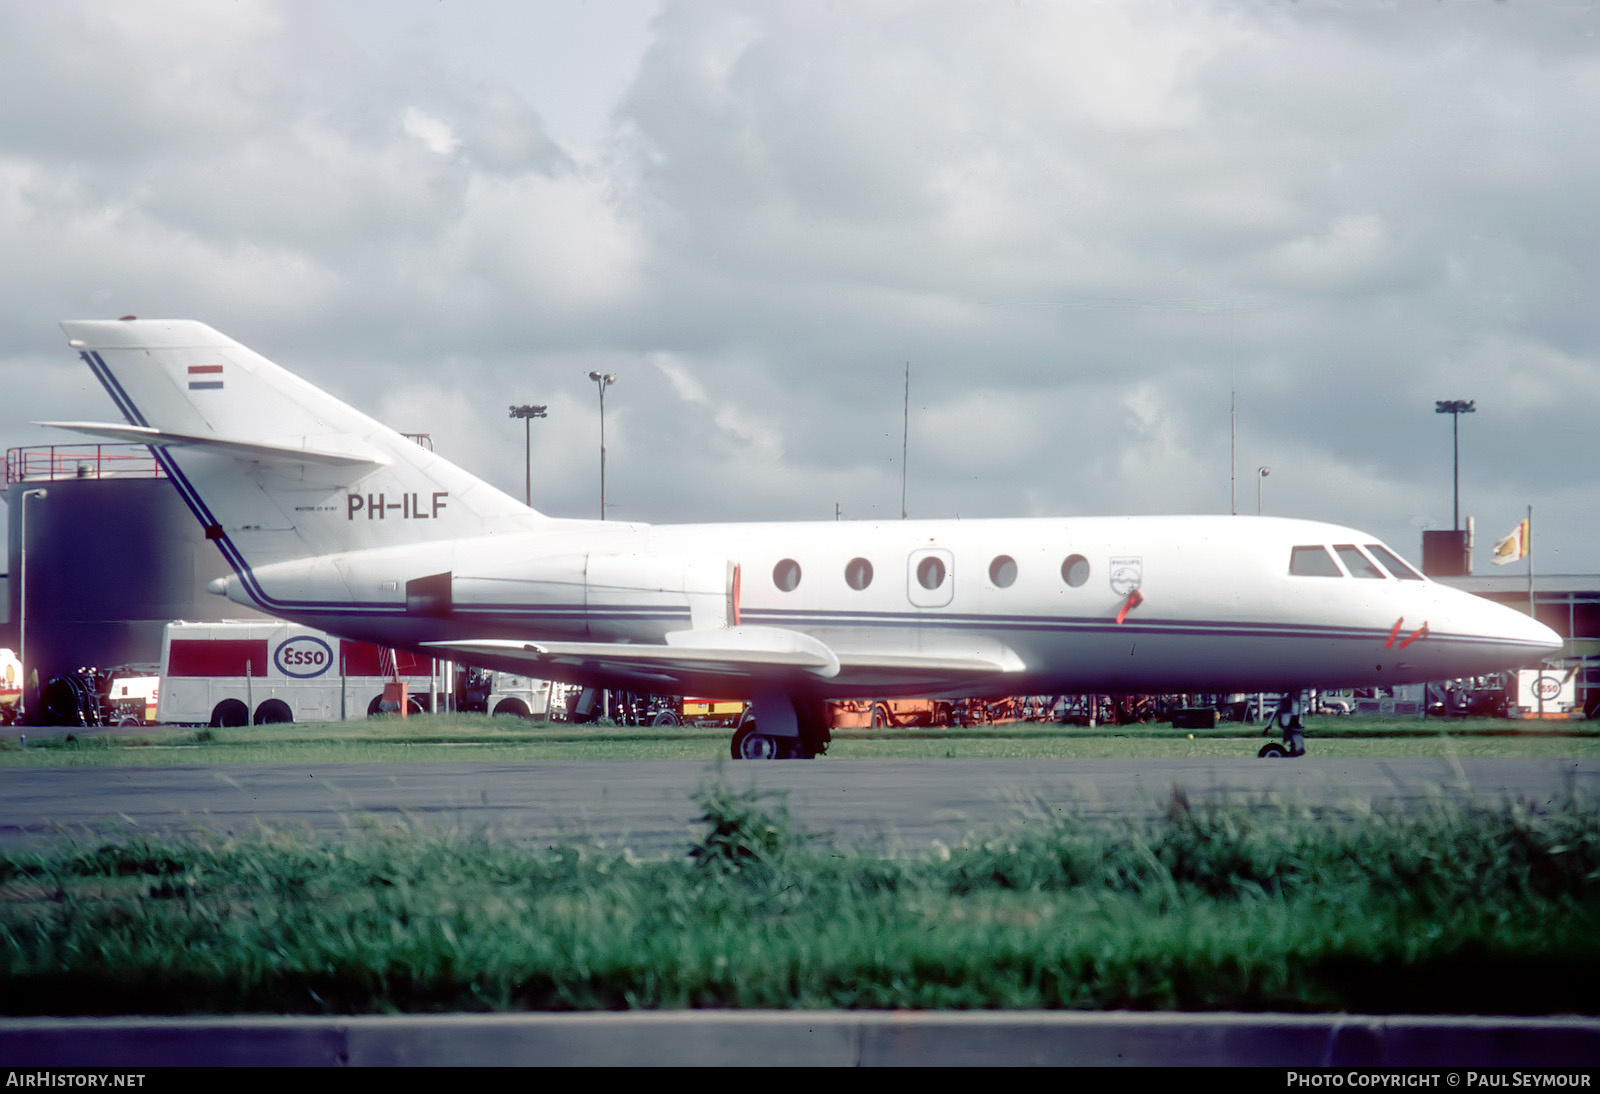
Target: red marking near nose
1393,631
1422,633
1135,598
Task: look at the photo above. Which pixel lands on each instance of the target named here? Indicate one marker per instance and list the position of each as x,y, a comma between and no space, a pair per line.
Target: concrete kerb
804,1038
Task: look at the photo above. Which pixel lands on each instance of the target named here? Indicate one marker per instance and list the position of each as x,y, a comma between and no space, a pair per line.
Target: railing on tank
55,462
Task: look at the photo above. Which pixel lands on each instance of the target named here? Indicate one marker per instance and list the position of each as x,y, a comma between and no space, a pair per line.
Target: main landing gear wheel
750,745
803,723
1272,750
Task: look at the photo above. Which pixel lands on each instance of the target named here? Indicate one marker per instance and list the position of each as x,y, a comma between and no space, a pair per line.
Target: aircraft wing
737,654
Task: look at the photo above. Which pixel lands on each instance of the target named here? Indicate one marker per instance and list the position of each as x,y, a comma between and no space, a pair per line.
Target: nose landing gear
1291,705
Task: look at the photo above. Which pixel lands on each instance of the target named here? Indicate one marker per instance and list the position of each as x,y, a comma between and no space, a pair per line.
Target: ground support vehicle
132,700
238,672
1545,693
1469,697
484,691
1401,701
10,686
879,713
94,696
705,713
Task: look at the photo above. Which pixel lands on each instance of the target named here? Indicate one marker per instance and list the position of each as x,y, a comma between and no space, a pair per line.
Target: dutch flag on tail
205,377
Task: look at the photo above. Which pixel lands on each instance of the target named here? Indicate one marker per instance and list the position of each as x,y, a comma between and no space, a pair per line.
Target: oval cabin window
1075,570
930,572
1003,571
786,575
858,573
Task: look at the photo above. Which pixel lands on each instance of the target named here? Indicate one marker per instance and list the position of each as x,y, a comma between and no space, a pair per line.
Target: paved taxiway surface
648,806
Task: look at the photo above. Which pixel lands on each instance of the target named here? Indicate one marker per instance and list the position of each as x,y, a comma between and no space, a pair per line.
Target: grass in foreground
1457,910
476,737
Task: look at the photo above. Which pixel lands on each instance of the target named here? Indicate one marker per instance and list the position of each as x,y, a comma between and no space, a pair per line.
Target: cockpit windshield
1316,560
1312,561
1357,563
1395,564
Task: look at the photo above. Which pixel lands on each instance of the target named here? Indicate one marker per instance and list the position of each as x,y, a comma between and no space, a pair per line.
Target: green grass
1249,907
469,737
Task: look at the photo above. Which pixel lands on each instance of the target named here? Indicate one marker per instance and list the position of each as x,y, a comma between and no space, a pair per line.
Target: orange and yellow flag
1514,546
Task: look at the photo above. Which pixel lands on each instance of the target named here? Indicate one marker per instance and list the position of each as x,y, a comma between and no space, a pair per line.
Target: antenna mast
905,442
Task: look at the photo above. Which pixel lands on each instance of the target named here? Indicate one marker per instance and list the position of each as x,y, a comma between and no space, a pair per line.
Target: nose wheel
1290,707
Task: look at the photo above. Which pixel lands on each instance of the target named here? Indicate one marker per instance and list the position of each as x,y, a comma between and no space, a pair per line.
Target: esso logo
1547,687
303,657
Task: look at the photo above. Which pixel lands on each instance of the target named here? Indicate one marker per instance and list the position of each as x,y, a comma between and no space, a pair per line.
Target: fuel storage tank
111,556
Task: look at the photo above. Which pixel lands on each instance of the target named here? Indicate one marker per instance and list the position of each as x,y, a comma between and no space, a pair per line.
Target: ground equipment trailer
262,671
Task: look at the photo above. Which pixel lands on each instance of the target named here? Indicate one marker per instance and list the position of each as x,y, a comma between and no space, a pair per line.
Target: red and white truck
238,672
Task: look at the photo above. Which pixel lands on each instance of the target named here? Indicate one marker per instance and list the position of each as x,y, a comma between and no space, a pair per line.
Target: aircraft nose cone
1518,631
1550,640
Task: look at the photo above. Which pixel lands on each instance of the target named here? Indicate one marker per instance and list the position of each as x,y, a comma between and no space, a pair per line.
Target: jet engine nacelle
612,595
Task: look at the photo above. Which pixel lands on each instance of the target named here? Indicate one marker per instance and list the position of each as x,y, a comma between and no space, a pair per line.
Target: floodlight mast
527,414
1455,408
603,381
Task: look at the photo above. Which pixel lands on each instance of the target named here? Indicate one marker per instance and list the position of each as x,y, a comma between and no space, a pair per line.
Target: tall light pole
603,381
527,414
22,608
1261,475
1455,408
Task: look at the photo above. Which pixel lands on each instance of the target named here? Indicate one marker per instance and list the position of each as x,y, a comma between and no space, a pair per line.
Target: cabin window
1313,561
1396,565
1357,563
786,575
931,577
1075,570
1003,571
858,573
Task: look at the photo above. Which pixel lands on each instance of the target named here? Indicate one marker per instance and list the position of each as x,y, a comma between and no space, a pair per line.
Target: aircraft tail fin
273,467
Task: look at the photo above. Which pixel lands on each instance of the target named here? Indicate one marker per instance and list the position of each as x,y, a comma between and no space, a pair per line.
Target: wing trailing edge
730,651
751,653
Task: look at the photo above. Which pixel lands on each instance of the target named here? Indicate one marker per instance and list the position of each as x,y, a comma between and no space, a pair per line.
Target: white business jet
330,519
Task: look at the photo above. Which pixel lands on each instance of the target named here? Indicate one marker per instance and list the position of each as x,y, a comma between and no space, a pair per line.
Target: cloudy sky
1083,225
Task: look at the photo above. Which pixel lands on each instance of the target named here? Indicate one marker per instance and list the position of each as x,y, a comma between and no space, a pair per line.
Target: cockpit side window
1357,563
1313,561
1396,565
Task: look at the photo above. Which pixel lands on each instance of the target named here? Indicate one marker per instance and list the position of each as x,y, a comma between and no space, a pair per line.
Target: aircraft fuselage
1114,605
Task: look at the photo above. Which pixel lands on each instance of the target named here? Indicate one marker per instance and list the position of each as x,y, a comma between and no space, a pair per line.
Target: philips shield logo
303,657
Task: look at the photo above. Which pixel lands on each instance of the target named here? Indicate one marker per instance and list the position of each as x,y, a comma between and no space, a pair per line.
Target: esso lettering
303,657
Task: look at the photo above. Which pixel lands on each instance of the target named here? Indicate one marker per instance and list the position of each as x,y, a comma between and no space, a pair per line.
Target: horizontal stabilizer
255,450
